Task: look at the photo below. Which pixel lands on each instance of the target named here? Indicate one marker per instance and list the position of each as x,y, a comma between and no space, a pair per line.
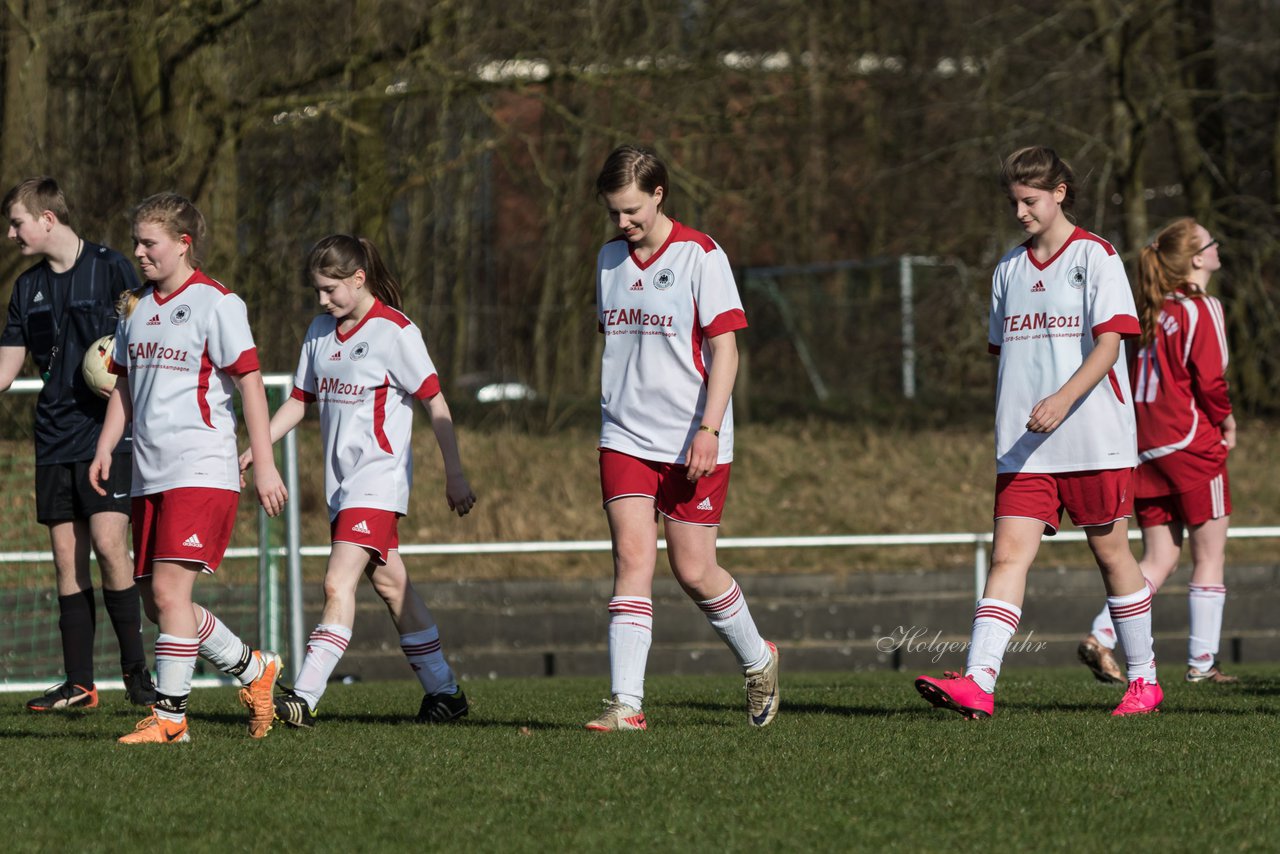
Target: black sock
76,622
124,607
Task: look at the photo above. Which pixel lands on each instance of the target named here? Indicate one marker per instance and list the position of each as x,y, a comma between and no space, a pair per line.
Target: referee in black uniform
58,308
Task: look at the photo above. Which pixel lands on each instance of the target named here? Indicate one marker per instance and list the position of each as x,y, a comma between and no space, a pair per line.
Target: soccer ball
96,367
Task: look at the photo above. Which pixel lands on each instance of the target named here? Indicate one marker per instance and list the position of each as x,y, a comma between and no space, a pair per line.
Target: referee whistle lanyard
56,310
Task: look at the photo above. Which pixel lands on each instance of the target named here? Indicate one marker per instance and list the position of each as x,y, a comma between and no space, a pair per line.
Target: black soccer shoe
442,708
293,711
138,686
64,696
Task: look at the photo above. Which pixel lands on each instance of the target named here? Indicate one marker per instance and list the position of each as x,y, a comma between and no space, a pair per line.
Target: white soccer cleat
762,690
618,717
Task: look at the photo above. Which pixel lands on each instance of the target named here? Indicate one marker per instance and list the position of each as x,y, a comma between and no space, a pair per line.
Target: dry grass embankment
788,479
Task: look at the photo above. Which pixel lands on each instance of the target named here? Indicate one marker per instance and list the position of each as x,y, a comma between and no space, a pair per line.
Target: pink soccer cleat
958,693
1142,698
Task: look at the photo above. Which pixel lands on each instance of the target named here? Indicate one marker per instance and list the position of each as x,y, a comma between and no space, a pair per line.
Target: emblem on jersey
1038,287
180,315
361,350
1076,277
665,279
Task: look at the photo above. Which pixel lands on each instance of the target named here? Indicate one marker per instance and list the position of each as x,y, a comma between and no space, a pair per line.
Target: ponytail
339,256
1164,265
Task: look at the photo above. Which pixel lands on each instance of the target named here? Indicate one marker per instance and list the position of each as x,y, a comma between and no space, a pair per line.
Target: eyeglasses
1207,246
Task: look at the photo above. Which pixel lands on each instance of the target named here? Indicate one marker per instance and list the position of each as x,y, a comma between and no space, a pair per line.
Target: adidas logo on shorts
705,504
360,527
193,542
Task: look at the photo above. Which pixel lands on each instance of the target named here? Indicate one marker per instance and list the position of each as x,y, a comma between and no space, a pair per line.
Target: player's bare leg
1207,596
692,552
1015,542
633,527
1129,599
442,700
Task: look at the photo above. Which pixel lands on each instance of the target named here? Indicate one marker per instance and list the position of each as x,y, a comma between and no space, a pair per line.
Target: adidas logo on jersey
705,504
193,542
336,357
154,321
39,297
360,527
638,286
1038,288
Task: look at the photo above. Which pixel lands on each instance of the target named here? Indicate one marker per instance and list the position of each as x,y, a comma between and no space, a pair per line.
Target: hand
700,458
1228,427
459,495
246,460
100,473
272,494
1048,414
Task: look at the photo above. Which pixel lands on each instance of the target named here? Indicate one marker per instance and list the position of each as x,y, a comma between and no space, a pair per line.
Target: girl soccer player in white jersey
1060,305
182,344
1185,430
364,363
668,308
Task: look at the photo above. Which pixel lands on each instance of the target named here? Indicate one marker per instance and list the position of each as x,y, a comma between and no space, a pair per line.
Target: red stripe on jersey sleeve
380,416
1125,324
202,386
247,363
304,396
726,322
430,388
118,369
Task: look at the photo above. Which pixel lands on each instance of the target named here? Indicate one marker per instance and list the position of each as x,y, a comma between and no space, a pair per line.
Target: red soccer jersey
1180,397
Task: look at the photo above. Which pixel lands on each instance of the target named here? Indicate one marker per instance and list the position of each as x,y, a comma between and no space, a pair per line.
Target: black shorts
63,492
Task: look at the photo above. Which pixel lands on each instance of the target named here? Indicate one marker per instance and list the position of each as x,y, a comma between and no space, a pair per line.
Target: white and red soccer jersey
1044,319
1180,397
656,317
180,353
365,382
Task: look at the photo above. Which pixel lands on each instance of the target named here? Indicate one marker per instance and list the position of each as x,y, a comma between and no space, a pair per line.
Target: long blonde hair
1164,265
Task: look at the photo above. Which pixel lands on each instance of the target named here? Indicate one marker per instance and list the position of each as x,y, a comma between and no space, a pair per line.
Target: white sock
630,633
1103,630
994,624
423,651
225,650
325,647
1206,601
175,665
731,618
1132,618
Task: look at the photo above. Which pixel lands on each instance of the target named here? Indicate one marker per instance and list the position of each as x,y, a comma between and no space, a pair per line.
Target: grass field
853,762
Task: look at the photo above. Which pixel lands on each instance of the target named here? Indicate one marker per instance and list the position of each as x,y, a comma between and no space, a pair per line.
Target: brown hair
38,195
1039,168
178,216
1163,266
339,256
631,164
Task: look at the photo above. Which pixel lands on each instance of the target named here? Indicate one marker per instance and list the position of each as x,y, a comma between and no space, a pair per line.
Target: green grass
853,762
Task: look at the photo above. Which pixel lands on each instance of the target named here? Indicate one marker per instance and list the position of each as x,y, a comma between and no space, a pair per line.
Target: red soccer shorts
375,530
699,503
190,524
1091,498
1210,500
